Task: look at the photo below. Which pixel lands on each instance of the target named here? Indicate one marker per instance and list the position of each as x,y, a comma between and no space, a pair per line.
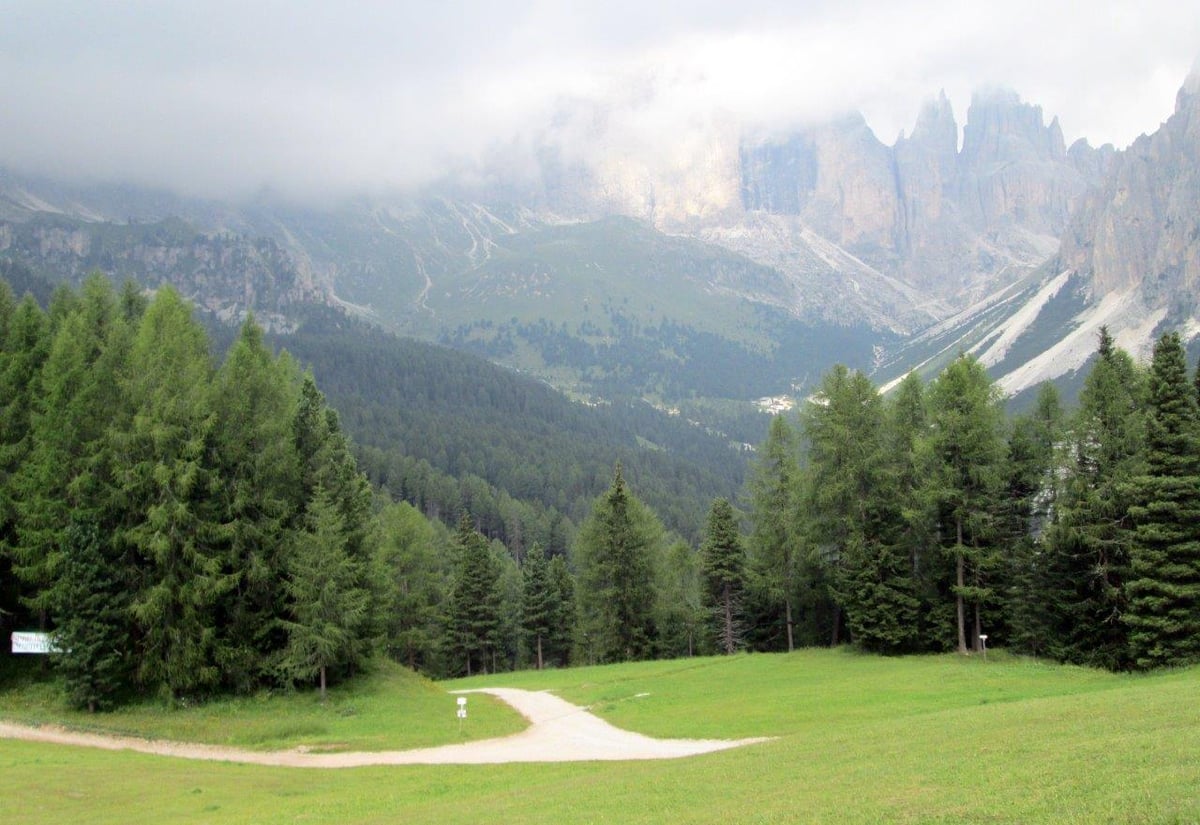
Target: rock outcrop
1141,229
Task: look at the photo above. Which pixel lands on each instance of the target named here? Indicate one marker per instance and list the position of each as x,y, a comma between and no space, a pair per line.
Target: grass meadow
858,739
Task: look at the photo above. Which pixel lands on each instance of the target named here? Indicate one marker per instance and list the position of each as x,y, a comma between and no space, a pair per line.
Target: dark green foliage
616,550
1164,583
254,395
187,487
566,613
539,603
1032,493
723,562
855,513
447,431
93,633
412,574
475,602
968,451
774,541
1087,546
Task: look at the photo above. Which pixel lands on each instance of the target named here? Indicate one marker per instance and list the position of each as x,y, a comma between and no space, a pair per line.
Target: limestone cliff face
838,177
225,273
1142,228
1014,169
952,224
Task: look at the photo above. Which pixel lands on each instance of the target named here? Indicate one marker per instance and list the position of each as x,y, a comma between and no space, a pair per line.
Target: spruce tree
616,548
1087,543
538,603
475,600
723,562
854,513
1164,585
907,462
90,603
1032,489
566,613
775,546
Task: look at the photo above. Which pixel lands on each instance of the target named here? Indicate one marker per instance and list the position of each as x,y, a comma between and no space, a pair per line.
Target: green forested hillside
449,431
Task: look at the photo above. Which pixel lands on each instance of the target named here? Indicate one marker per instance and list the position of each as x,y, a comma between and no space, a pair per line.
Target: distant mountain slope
408,401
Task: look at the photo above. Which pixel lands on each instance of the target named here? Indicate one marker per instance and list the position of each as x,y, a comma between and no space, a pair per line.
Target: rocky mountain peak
936,128
1001,128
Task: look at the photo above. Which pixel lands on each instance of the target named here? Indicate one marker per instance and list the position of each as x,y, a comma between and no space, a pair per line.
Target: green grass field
859,739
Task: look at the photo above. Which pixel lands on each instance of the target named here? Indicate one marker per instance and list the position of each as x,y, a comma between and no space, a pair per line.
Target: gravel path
558,732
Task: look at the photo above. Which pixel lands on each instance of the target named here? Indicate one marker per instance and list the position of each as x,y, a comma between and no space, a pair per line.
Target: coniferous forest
187,526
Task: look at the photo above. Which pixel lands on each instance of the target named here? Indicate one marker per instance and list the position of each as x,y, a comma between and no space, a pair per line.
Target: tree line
187,528
929,521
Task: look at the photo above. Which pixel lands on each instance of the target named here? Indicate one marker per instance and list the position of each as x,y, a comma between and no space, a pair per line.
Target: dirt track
558,732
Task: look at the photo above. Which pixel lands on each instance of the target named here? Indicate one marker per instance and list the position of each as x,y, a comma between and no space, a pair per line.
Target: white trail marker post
462,713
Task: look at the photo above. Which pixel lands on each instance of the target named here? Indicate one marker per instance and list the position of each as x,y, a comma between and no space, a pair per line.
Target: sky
312,99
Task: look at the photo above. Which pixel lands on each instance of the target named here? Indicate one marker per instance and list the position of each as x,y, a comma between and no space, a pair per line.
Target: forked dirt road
558,732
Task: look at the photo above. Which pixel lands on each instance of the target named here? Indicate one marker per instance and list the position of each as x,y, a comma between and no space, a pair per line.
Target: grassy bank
859,739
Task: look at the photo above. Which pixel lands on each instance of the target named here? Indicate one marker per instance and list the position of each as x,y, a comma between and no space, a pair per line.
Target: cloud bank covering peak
315,99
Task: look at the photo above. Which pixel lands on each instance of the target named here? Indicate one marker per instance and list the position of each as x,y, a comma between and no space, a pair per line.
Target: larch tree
170,491
79,396
254,399
328,608
854,512
413,576
968,447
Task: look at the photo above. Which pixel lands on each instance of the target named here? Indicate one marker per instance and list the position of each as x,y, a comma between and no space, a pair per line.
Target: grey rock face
1141,229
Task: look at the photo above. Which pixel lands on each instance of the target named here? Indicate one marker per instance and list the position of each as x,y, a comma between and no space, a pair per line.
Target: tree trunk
835,637
539,647
728,600
958,599
788,602
978,630
322,684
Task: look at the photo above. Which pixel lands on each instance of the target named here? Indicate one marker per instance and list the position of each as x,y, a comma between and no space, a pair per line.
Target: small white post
983,642
462,713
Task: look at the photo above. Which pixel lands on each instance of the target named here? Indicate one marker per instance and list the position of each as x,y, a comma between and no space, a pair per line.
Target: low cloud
309,99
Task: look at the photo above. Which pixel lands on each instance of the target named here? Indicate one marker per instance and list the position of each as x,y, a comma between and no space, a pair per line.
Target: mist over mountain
771,252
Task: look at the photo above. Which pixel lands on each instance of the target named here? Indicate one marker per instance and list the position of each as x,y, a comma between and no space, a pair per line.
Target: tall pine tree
1164,585
1087,544
616,550
723,563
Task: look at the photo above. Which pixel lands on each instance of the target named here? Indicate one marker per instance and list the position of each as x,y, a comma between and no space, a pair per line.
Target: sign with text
33,642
